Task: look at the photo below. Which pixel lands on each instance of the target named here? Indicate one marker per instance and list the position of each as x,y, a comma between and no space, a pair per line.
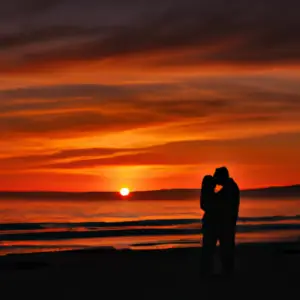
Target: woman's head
208,182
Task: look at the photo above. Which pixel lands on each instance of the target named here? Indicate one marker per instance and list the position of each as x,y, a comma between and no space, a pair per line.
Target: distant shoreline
163,194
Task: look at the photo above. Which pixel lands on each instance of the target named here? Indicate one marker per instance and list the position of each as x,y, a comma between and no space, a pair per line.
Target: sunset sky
97,95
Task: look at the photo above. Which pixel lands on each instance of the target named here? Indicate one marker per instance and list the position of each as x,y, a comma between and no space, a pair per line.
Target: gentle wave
57,231
158,222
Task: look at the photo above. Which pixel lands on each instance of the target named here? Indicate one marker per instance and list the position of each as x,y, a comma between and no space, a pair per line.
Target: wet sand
263,271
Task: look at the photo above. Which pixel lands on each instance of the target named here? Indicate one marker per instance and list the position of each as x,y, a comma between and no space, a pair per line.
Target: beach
263,271
144,249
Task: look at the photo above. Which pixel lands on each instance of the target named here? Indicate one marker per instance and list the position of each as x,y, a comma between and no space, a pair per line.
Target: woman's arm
205,200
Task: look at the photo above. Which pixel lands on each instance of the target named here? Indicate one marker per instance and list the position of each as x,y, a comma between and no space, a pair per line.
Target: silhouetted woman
210,204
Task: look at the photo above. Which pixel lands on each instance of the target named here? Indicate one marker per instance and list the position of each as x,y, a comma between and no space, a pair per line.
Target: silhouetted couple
219,221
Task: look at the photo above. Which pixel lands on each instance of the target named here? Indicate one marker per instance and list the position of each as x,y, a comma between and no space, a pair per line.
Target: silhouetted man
229,197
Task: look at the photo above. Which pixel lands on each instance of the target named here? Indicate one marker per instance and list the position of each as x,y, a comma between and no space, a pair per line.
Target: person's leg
227,248
208,249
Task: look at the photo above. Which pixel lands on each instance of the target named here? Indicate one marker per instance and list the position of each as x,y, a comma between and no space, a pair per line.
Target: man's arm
234,197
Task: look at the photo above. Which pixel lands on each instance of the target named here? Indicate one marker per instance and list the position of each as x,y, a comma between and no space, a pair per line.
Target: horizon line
140,191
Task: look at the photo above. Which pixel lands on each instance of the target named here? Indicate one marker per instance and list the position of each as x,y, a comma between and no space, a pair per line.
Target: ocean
28,226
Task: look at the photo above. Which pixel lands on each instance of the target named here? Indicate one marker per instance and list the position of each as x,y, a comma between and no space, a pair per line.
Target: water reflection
35,220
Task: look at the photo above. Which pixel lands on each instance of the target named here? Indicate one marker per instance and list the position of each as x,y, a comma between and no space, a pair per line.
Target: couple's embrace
219,221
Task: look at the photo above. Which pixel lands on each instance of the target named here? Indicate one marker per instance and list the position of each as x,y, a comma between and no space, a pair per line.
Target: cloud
57,181
236,151
32,161
218,32
17,8
44,35
74,124
80,110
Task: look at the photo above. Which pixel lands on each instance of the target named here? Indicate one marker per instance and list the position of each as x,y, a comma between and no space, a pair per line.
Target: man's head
221,175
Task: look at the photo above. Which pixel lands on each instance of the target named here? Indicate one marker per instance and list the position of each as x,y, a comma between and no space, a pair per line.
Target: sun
124,192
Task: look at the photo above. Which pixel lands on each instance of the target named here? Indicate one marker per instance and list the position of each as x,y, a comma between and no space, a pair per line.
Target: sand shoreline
269,267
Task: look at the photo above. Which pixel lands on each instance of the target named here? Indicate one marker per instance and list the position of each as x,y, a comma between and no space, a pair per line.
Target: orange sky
148,96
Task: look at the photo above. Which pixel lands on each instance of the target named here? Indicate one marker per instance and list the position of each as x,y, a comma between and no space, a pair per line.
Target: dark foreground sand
264,271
